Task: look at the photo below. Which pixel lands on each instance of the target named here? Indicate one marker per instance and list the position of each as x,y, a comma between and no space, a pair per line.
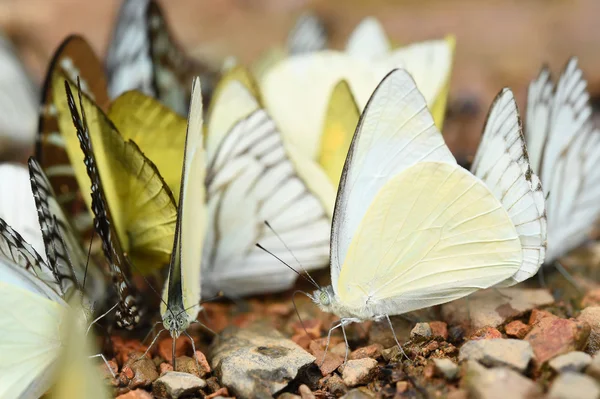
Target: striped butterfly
411,228
564,148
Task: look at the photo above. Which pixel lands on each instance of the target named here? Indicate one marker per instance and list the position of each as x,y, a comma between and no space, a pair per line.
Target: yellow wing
141,204
340,122
433,233
156,129
438,107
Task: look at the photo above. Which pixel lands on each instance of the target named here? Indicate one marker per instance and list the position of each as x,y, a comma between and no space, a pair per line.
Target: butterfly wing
404,208
74,58
128,62
502,163
158,131
368,40
183,285
128,311
142,207
340,123
307,35
19,98
567,148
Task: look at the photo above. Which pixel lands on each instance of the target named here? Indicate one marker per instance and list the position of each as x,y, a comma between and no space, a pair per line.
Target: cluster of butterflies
409,228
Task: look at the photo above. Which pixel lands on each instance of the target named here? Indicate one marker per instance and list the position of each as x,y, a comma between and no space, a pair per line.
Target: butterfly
564,148
296,90
307,35
251,178
143,55
19,99
35,293
411,228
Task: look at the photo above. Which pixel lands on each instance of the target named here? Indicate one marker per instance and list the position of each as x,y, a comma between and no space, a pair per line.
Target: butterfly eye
324,298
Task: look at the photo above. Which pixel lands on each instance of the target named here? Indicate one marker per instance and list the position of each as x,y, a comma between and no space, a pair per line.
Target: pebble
498,383
186,364
591,315
136,394
446,368
165,368
517,329
373,351
513,353
571,385
312,326
494,307
141,373
594,368
391,353
591,298
572,361
182,346
287,395
439,330
219,393
421,332
305,392
359,371
486,332
256,361
125,348
332,360
175,384
335,385
537,315
359,393
553,336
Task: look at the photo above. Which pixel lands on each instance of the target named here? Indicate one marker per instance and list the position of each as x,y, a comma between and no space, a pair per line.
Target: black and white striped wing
128,311
66,257
128,61
307,35
503,165
562,139
250,180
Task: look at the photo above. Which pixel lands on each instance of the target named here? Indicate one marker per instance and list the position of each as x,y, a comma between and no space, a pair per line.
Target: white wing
307,35
395,132
18,99
18,209
128,61
368,40
503,165
184,272
568,149
251,180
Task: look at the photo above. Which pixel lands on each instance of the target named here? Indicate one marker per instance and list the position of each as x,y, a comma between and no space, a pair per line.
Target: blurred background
499,43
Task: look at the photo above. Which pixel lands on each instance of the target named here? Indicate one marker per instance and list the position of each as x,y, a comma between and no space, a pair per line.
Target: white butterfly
368,40
564,148
411,228
252,178
307,35
33,310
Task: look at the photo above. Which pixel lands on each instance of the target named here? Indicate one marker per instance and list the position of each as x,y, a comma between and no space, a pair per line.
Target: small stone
359,371
391,353
143,370
287,395
553,336
359,393
591,298
281,309
124,347
401,386
458,394
486,332
446,368
373,351
186,364
175,384
430,347
203,363
114,367
572,361
332,361
421,332
517,329
429,370
537,315
313,327
164,368
591,315
594,367
212,384
439,330
335,385
165,348
219,393
136,394
305,392
339,349
256,361
498,383
494,307
571,385
498,352
302,340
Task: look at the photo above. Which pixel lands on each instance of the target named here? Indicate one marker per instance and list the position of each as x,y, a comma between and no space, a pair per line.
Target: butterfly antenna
298,313
310,280
291,253
100,317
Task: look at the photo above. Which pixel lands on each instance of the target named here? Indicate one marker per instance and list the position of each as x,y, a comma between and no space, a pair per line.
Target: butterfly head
176,323
324,298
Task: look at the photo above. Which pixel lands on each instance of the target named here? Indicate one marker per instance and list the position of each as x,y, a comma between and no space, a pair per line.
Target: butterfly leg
344,323
193,348
151,331
328,339
105,362
561,269
152,344
542,278
395,337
